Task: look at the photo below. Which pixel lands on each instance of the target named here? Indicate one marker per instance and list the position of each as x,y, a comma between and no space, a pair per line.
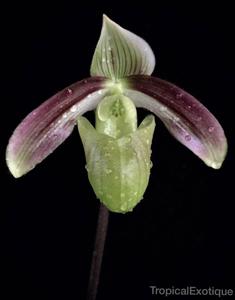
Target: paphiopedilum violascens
117,150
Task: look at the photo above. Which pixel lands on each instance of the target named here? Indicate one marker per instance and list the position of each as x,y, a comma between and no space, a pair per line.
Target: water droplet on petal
187,138
211,129
189,106
65,115
103,60
129,139
69,91
215,165
124,206
73,108
108,171
163,108
176,119
100,92
179,95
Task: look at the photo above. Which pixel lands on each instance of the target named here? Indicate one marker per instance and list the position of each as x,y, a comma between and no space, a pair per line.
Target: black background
182,233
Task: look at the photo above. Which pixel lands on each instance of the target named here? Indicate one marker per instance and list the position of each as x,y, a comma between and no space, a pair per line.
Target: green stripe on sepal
120,53
118,169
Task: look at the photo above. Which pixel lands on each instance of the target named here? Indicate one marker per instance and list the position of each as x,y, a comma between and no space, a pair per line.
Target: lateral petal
184,116
46,127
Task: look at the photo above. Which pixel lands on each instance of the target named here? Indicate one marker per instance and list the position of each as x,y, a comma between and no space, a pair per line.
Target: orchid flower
117,150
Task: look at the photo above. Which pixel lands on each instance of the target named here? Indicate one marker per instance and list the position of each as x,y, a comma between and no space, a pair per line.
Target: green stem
101,232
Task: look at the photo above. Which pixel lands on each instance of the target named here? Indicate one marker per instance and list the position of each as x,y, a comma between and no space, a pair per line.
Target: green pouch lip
118,168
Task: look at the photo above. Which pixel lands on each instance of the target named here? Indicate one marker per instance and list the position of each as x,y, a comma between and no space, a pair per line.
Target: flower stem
96,263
